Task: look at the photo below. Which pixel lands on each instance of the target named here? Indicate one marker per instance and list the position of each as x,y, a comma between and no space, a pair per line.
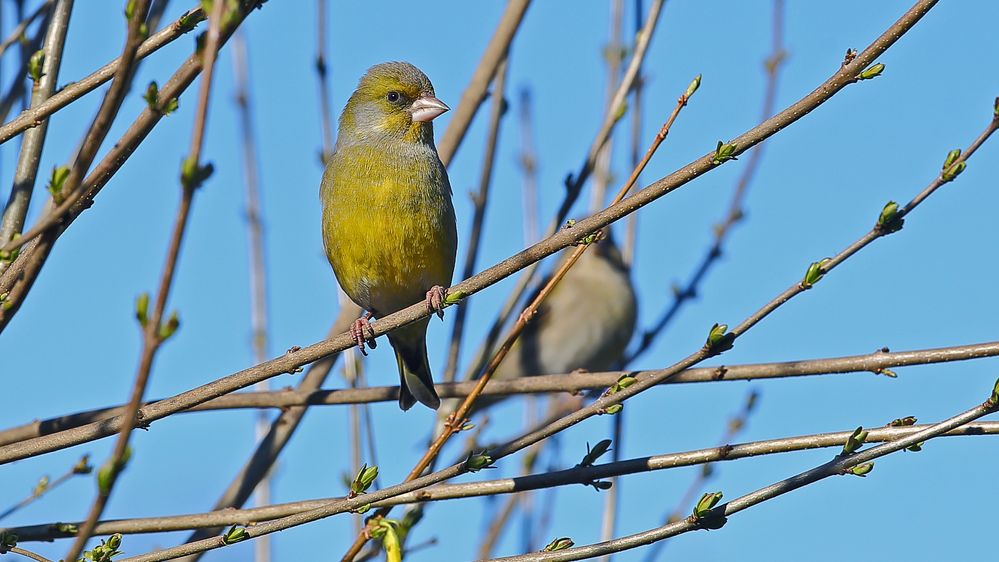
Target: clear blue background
74,345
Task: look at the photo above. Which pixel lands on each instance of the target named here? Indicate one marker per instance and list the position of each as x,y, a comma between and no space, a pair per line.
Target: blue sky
74,345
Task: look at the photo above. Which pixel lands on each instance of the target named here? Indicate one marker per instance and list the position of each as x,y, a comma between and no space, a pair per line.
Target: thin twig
326,112
840,465
456,420
475,93
479,202
88,150
258,267
79,88
17,90
735,211
613,53
28,554
544,480
45,486
876,362
34,140
734,426
845,75
631,228
19,31
574,185
528,161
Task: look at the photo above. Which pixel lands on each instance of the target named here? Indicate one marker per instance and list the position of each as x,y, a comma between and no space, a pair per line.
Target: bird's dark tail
416,384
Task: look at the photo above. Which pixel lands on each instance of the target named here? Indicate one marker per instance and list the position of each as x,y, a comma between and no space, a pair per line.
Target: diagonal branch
475,93
574,183
34,140
136,13
838,466
296,357
571,476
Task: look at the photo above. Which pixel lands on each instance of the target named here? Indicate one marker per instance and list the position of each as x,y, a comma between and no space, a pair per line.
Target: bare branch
479,201
257,269
18,33
475,92
574,185
735,211
34,140
72,92
840,465
845,75
567,477
568,382
88,150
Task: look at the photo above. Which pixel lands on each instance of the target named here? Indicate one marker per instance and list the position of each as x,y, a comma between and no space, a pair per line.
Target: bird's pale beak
427,108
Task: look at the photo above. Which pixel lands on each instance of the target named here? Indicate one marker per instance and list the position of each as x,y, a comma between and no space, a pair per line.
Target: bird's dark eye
393,96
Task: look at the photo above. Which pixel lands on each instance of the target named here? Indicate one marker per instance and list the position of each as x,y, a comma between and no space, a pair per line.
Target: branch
324,89
443,492
574,185
88,150
877,362
479,201
18,279
296,358
34,140
475,92
735,210
717,516
18,33
456,420
71,92
257,268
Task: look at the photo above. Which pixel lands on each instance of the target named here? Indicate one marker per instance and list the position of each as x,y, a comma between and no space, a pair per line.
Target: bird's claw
435,300
362,332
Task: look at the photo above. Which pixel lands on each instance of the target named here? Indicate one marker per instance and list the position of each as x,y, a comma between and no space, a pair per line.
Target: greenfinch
585,323
388,220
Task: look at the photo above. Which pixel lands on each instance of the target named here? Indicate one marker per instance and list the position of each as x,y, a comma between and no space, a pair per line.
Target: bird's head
393,99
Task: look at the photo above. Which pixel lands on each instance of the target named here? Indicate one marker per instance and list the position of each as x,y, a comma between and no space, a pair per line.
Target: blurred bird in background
388,221
585,323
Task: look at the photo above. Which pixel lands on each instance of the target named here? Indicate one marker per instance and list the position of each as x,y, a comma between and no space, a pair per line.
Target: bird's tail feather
415,381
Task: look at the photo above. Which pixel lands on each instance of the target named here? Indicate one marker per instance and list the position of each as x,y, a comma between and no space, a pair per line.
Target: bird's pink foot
362,332
435,300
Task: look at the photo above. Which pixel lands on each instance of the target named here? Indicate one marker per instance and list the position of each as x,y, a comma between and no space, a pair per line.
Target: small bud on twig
871,72
861,470
719,340
888,220
595,453
560,543
855,441
724,152
814,273
235,534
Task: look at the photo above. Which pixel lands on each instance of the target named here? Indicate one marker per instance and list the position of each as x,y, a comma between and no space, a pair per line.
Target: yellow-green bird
388,221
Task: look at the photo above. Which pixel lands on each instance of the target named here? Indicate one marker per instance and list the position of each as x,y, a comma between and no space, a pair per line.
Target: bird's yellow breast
388,225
